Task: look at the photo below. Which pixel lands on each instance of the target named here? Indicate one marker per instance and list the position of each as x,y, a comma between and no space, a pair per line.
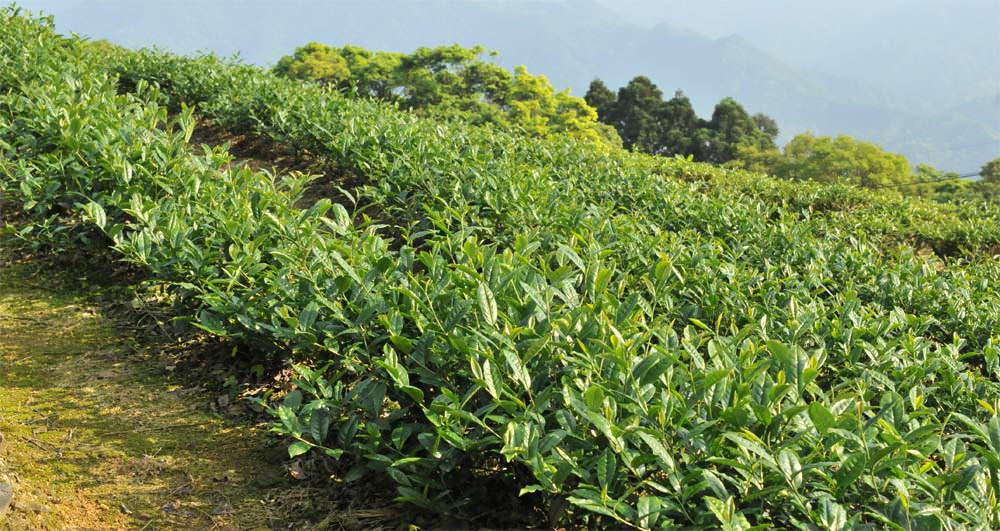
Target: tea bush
655,343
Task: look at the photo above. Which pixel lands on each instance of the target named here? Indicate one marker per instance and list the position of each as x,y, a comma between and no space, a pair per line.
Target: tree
990,172
836,160
679,126
988,187
731,128
940,186
600,97
766,125
846,160
635,115
315,62
647,123
754,158
451,82
371,73
432,76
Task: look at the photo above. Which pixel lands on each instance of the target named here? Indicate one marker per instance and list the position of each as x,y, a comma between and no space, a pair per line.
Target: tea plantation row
640,342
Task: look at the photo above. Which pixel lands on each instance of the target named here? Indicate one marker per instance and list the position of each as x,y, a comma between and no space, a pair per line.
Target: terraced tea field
490,322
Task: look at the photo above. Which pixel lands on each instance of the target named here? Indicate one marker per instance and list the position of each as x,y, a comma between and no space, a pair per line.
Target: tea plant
396,149
631,341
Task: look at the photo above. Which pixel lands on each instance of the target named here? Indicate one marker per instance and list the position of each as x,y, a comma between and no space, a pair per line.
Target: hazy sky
808,29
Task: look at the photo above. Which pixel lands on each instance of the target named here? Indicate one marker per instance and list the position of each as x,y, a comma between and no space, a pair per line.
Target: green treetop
991,172
649,124
839,159
451,82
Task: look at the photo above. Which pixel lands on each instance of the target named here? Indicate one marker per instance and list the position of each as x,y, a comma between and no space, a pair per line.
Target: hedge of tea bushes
388,146
432,177
655,352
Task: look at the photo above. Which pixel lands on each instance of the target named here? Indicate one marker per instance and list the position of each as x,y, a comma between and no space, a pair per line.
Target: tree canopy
990,172
840,159
846,160
451,82
649,124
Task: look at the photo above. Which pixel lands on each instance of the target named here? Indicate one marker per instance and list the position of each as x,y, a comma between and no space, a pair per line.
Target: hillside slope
588,336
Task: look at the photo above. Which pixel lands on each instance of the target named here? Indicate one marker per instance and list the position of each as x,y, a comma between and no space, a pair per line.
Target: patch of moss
99,438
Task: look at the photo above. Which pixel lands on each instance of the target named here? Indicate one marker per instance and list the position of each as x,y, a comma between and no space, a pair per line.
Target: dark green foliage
600,97
681,132
731,128
988,187
648,124
635,114
990,171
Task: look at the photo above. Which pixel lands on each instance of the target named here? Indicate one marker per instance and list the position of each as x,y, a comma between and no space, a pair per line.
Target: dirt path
97,438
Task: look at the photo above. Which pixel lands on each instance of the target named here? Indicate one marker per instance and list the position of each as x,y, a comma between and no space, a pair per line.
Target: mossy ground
98,437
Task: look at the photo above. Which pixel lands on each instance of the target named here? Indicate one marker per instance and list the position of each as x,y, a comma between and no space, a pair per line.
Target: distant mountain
928,54
924,75
923,52
571,42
